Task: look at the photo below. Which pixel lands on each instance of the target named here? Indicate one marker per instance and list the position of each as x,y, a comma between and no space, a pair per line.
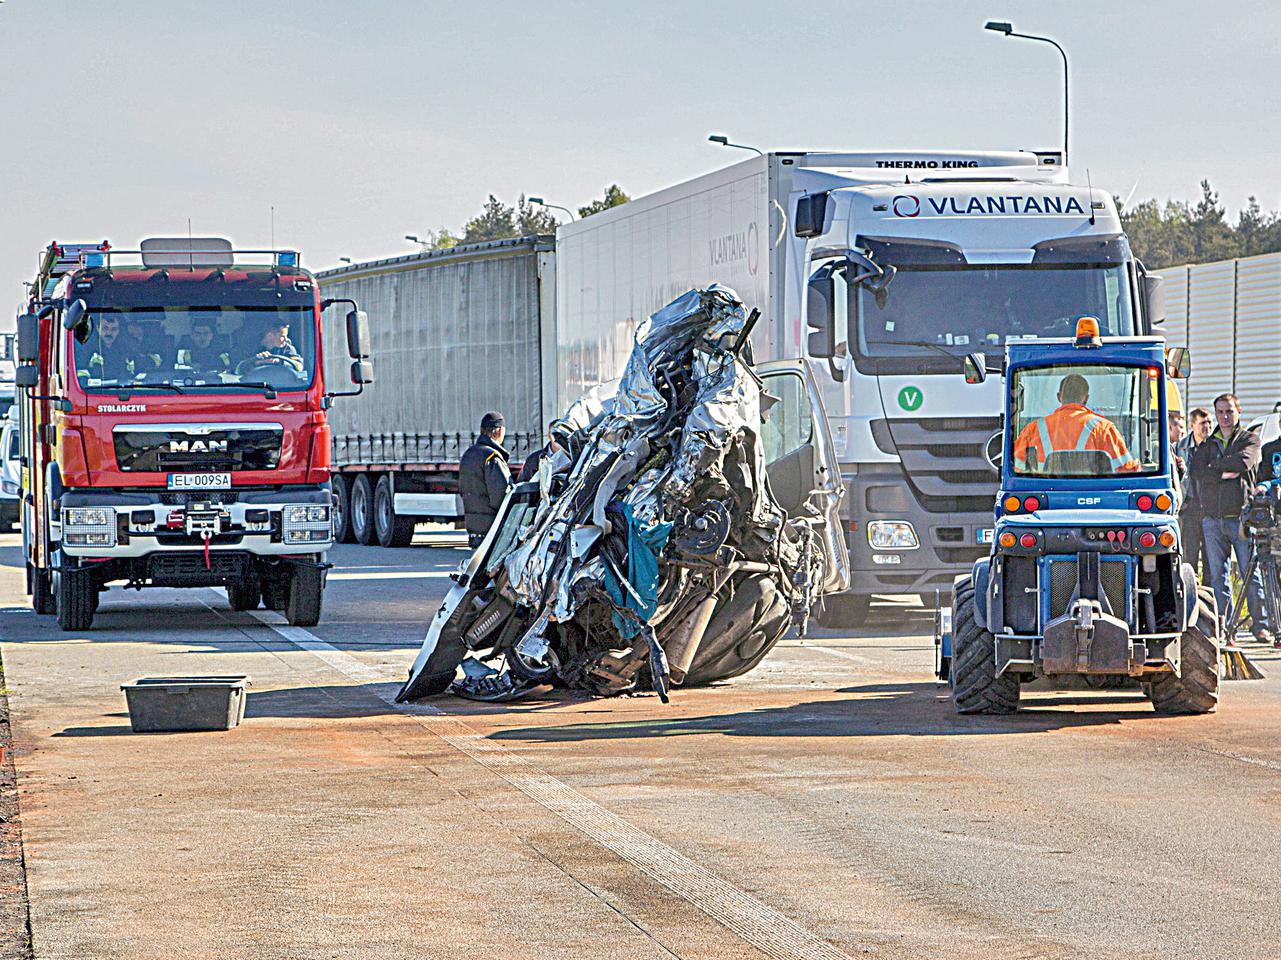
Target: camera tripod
1263,559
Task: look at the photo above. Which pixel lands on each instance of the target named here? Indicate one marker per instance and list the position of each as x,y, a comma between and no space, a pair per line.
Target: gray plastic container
173,704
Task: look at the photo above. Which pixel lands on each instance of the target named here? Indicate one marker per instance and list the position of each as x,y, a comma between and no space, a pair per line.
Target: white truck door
800,460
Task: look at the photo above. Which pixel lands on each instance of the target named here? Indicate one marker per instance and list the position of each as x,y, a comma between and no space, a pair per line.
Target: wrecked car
689,520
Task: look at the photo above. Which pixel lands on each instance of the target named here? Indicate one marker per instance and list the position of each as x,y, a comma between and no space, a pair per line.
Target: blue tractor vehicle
1085,575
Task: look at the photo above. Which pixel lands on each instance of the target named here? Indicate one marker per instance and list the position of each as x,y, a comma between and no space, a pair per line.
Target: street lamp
555,206
724,142
1002,26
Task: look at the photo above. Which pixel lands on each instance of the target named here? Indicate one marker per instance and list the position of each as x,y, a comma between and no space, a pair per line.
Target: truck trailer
174,425
457,332
884,269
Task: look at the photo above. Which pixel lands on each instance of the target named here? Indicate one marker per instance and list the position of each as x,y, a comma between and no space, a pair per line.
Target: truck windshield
936,298
196,346
1086,420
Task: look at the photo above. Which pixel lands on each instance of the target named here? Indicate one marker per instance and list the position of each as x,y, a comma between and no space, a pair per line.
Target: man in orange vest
1073,426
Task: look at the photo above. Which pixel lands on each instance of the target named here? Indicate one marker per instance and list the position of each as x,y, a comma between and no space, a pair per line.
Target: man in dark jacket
1190,511
1223,470
483,478
529,471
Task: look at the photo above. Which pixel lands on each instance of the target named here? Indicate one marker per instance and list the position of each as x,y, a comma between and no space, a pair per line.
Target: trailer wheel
392,530
77,599
1196,689
975,686
306,595
362,510
343,531
42,599
244,595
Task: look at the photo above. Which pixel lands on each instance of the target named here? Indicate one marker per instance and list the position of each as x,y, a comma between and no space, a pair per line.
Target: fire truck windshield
191,347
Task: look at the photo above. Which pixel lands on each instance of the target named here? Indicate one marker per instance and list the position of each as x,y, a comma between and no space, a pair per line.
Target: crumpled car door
800,459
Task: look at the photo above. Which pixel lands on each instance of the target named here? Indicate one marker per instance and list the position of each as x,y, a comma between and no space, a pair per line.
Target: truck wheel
845,610
362,510
42,599
275,593
343,532
1197,689
975,686
77,599
306,594
392,531
245,594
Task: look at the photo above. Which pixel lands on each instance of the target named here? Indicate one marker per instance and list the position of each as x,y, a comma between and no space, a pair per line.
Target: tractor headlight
89,527
891,535
307,523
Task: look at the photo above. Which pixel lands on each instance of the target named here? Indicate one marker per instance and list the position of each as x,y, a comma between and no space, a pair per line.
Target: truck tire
275,593
42,599
362,510
845,610
244,595
391,530
343,532
975,686
77,599
306,596
1196,690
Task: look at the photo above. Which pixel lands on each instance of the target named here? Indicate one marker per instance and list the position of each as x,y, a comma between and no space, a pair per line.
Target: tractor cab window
1086,420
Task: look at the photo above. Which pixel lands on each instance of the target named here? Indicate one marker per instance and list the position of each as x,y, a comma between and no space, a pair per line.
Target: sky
362,122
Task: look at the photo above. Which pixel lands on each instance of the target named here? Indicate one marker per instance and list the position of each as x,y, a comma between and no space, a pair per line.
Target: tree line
1177,232
501,221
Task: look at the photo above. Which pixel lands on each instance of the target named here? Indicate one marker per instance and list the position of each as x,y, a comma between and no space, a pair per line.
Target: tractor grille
1112,573
1019,580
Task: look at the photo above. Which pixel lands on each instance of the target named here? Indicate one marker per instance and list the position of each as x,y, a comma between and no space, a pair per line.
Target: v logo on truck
911,398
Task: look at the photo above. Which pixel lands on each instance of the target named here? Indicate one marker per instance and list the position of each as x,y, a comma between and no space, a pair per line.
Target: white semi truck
885,268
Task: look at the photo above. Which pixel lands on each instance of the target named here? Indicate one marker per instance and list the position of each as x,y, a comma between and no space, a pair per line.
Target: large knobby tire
362,510
306,596
1196,688
845,610
244,595
77,599
42,598
392,530
975,686
343,532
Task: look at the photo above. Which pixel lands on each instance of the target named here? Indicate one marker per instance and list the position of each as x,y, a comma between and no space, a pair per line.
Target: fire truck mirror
358,336
362,372
28,338
26,375
74,315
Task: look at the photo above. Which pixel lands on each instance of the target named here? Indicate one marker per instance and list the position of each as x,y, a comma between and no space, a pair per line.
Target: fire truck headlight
307,523
89,527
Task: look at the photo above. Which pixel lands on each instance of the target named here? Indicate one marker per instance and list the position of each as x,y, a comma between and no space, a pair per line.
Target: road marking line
390,575
763,927
854,657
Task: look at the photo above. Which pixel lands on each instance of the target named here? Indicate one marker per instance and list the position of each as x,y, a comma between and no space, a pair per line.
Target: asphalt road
828,805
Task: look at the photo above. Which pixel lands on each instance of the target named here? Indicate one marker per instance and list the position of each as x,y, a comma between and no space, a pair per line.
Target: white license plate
200,481
984,534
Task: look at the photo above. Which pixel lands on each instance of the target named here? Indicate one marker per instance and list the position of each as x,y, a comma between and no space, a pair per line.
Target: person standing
1190,511
529,470
1223,470
1178,462
483,478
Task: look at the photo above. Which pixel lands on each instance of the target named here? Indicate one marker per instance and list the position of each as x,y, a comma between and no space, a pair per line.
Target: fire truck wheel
392,530
975,686
343,531
42,599
77,596
362,510
245,594
306,594
1196,690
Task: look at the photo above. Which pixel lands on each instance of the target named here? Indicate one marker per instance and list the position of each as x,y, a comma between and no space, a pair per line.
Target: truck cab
174,426
914,260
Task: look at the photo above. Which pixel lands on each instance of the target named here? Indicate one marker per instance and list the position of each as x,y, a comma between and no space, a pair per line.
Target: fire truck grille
188,568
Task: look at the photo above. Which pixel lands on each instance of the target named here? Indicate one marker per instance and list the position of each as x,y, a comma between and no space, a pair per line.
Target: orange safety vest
1073,427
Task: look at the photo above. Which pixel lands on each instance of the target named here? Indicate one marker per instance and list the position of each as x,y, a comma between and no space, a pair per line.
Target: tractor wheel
975,686
1196,689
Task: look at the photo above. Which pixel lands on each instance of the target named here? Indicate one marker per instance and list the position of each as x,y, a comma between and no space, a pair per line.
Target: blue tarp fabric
644,544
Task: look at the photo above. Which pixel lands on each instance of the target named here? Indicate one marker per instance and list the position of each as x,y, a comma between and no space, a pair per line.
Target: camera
1261,518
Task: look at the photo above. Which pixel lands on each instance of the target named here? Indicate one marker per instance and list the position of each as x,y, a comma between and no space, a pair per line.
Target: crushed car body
689,520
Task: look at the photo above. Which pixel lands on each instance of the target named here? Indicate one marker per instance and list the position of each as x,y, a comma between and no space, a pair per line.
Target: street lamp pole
1001,26
555,206
725,142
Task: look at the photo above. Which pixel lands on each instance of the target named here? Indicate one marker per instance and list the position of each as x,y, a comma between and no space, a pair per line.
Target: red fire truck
174,426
